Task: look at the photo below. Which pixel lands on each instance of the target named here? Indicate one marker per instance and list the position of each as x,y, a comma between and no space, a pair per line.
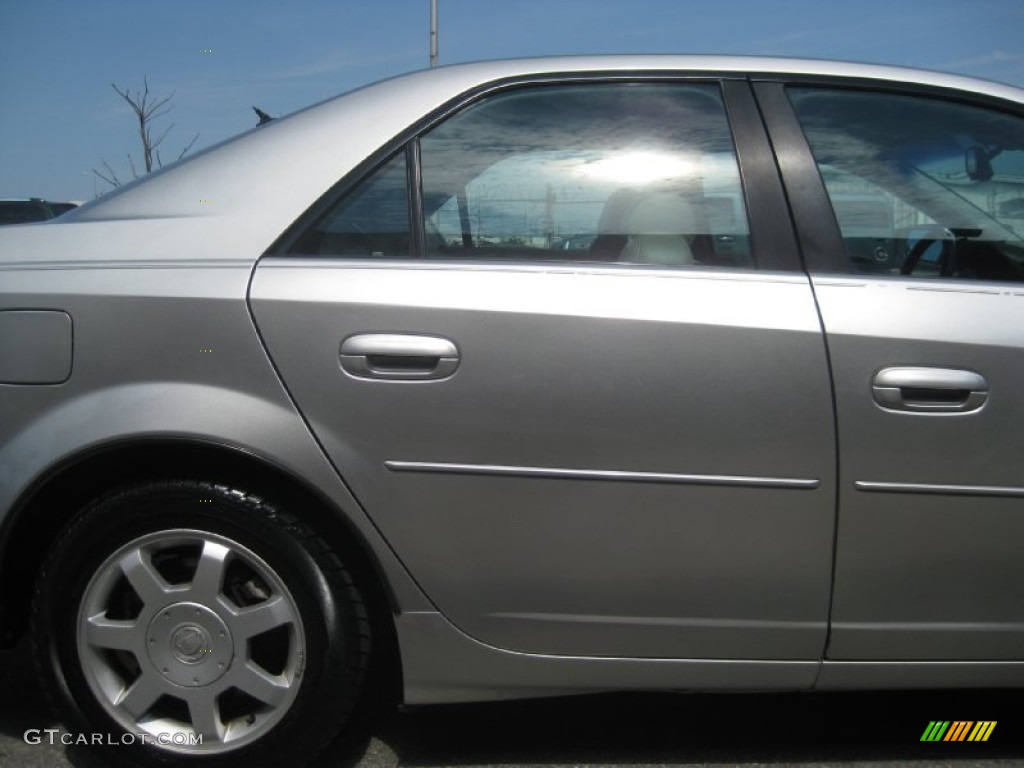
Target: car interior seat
645,227
660,227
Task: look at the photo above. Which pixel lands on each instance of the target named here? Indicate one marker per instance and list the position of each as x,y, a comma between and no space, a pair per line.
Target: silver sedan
522,379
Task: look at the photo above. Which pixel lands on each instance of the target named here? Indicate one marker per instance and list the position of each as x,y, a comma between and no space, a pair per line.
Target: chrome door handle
929,390
399,356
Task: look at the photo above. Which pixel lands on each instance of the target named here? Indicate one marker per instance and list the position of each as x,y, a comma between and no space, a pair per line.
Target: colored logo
958,730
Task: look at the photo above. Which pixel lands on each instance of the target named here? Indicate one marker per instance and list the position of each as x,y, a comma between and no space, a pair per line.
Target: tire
181,612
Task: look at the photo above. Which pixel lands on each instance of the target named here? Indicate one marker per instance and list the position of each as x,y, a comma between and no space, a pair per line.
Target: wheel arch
50,502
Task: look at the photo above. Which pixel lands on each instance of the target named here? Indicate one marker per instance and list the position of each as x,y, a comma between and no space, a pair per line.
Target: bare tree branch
112,179
154,111
107,179
159,141
147,109
188,146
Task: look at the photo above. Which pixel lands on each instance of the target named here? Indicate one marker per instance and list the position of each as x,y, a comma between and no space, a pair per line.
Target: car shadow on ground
614,729
659,728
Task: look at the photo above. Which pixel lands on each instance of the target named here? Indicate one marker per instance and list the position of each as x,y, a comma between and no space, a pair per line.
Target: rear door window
624,173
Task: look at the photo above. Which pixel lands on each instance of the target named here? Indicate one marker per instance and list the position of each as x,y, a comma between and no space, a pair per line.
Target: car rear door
923,308
584,393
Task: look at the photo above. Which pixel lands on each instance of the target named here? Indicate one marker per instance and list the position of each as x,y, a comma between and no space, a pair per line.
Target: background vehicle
335,398
21,211
59,208
31,209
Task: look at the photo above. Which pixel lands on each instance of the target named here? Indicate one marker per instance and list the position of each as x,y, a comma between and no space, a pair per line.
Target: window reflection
372,220
631,173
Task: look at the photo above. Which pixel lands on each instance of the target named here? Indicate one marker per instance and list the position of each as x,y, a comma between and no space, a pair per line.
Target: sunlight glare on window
641,167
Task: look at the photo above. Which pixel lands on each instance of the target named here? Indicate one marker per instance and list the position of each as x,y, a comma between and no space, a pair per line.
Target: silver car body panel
573,385
157,272
925,557
443,665
160,353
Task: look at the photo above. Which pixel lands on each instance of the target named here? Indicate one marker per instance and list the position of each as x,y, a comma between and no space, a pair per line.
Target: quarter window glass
371,220
627,173
920,187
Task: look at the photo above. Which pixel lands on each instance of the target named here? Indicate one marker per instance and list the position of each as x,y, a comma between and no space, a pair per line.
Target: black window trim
821,244
771,228
414,204
839,82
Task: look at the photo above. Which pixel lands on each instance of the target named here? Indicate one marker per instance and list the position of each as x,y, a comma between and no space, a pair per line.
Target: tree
147,109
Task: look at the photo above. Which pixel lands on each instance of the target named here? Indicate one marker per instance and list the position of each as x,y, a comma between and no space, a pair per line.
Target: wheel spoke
249,622
209,575
117,635
260,684
140,696
205,713
147,583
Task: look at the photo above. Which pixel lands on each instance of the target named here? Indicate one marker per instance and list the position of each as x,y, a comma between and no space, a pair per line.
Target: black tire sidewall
114,521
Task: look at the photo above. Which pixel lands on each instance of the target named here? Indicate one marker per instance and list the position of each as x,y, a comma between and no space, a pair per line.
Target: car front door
584,393
919,276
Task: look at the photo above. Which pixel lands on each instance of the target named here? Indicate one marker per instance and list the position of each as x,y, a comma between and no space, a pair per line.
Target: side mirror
978,163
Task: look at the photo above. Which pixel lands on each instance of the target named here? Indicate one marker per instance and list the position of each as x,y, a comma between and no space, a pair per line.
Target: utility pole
433,33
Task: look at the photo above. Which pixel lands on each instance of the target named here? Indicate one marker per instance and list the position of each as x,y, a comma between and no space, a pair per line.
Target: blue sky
59,117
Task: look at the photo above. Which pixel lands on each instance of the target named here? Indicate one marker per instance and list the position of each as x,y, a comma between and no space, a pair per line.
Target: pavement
852,730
